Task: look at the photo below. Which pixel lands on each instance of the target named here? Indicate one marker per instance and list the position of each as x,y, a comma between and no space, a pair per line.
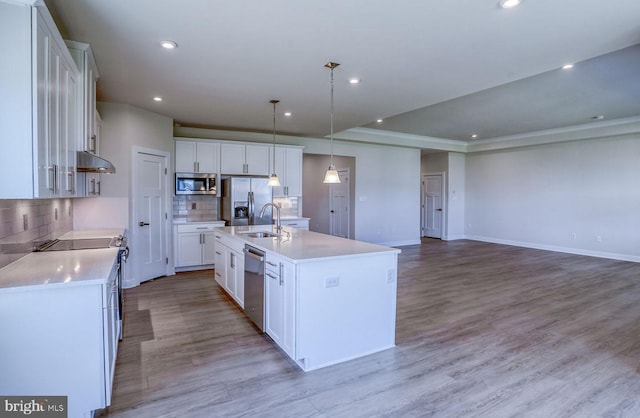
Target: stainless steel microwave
195,183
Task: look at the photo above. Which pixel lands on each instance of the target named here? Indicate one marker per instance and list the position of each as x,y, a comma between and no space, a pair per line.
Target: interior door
433,191
150,215
339,206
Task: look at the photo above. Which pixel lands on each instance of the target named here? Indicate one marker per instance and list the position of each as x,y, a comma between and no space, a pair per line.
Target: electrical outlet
391,276
55,214
25,221
332,282
193,205
573,236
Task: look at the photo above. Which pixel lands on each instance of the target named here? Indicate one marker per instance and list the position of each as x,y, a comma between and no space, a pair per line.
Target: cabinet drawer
199,227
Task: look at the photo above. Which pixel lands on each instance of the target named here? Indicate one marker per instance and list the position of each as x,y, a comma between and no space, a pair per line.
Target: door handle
439,210
143,223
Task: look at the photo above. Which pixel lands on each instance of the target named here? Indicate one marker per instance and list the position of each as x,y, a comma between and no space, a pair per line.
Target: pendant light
273,179
331,176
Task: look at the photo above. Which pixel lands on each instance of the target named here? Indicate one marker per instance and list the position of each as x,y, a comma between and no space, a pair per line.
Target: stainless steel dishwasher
254,285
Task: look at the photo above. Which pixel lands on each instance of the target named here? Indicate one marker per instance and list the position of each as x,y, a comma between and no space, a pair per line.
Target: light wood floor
483,330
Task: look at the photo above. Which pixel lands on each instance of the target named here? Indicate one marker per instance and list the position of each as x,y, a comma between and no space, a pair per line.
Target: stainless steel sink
260,234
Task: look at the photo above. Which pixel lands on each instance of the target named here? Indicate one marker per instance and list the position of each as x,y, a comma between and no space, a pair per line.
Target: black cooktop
76,244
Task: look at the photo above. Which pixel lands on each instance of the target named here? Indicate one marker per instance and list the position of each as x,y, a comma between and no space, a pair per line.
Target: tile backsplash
196,208
26,223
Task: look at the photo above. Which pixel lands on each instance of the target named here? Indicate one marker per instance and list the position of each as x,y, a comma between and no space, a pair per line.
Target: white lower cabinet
229,269
61,340
195,245
300,223
279,299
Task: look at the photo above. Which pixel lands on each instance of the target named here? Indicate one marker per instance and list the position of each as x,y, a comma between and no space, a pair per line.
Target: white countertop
305,246
183,221
93,233
62,268
58,268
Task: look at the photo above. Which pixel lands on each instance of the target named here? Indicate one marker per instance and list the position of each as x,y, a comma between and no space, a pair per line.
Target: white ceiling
435,68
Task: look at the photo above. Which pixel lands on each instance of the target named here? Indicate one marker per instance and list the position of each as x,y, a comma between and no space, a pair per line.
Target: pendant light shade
274,181
331,176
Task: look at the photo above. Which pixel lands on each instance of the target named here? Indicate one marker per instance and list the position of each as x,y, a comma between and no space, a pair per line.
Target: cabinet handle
271,264
71,188
271,276
202,227
280,268
93,143
98,184
218,253
233,260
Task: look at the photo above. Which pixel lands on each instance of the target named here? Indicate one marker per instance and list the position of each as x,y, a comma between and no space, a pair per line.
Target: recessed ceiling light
597,117
567,66
354,80
379,120
157,99
287,113
508,4
169,44
474,136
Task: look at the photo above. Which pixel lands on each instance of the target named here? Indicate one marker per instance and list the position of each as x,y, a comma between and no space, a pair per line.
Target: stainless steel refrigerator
242,200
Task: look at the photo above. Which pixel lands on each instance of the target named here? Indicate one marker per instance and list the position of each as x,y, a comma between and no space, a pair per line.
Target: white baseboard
453,237
399,243
569,250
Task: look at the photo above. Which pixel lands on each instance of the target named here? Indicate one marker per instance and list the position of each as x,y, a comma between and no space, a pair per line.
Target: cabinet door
221,265
293,171
257,159
207,155
189,251
185,156
280,170
232,158
280,303
208,248
69,130
274,303
232,272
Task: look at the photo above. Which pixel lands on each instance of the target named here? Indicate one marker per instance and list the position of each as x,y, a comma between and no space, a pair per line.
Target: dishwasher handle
254,254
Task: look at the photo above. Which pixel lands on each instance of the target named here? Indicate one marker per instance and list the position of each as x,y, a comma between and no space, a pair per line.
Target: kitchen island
326,299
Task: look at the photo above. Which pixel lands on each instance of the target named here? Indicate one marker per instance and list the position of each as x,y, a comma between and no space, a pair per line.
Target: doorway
432,205
150,218
339,205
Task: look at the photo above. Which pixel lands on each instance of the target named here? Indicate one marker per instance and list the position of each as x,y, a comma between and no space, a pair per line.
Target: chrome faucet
277,207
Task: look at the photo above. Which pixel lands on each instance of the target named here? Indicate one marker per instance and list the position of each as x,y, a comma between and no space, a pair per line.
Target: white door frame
348,202
133,226
423,205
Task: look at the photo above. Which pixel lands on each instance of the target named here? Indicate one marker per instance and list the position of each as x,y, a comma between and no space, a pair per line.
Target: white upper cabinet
248,159
39,113
83,57
289,170
197,156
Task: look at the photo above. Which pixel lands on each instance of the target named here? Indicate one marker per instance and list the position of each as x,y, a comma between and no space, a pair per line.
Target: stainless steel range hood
89,163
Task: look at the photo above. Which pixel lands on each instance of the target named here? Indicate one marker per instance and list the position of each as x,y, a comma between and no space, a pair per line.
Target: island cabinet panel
229,269
280,302
346,308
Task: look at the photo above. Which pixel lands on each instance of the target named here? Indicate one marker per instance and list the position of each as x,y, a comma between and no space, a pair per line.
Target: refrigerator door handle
251,208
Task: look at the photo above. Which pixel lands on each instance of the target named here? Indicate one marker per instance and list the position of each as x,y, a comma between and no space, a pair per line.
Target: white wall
453,165
387,179
540,196
456,192
122,127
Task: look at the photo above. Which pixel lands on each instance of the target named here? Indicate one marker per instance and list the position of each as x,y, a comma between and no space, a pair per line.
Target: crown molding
382,137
